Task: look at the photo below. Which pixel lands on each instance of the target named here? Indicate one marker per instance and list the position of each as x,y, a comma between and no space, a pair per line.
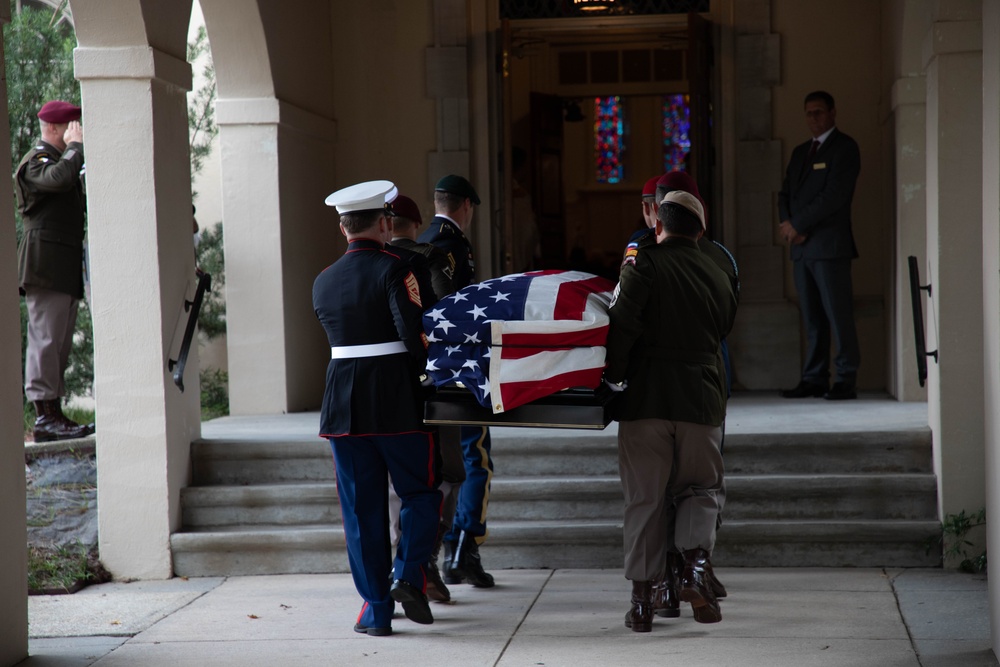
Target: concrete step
540,452
563,544
819,497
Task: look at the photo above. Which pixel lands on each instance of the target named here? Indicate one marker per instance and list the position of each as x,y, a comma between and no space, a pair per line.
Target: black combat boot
466,564
640,616
696,588
51,424
436,588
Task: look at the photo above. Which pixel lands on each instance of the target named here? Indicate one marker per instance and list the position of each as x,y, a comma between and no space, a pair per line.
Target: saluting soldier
369,304
50,197
454,203
671,309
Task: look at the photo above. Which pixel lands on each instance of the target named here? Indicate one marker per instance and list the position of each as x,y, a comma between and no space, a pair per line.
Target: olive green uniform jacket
672,307
50,196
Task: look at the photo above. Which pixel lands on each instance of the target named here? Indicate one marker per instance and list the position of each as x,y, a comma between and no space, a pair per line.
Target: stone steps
811,499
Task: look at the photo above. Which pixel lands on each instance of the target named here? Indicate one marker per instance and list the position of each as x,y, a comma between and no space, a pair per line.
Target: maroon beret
649,189
59,112
404,207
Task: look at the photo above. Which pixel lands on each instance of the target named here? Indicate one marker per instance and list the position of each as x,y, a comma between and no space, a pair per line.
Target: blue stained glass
609,127
676,132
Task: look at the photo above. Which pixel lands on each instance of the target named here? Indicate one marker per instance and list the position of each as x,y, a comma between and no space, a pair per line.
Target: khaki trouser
51,323
662,463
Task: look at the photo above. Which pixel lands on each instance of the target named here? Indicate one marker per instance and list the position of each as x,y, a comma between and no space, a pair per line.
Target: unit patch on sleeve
413,289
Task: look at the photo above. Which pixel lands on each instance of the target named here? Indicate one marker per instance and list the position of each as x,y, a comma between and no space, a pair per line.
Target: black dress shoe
841,391
415,604
372,632
805,390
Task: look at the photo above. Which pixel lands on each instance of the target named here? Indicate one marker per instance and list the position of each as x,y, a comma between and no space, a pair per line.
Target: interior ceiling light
593,5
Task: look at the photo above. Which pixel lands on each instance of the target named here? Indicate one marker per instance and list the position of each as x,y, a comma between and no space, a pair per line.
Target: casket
570,408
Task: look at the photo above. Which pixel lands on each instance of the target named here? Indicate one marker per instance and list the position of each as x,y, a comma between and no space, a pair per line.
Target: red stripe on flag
585,338
519,393
571,300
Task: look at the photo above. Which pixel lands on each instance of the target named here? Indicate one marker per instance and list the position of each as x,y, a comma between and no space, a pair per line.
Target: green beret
457,185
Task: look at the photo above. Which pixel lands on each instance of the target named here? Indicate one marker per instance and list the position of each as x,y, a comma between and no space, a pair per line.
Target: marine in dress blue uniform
454,202
369,304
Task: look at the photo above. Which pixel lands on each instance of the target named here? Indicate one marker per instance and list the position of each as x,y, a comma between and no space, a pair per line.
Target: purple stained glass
676,132
608,146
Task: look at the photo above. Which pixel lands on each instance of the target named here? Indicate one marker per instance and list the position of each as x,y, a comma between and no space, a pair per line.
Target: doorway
591,109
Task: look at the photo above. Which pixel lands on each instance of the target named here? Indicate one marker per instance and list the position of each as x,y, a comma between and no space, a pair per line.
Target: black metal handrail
918,320
192,308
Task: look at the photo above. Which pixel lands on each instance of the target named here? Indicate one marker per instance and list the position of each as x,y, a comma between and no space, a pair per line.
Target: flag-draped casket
519,338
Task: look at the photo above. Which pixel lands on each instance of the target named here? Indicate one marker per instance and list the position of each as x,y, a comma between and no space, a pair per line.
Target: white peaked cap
363,196
688,201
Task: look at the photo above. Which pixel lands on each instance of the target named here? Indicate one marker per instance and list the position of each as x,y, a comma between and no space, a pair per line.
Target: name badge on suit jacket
819,165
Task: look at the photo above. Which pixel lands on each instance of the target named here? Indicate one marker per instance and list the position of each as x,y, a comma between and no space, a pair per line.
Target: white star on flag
476,312
445,324
500,296
471,363
482,286
472,338
431,338
451,349
455,374
436,314
485,386
431,365
460,296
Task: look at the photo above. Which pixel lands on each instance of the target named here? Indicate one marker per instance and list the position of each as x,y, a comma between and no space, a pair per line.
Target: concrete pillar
139,207
954,69
13,554
278,236
767,325
991,289
909,105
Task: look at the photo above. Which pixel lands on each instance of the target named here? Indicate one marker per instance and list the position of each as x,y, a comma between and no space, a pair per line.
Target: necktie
807,165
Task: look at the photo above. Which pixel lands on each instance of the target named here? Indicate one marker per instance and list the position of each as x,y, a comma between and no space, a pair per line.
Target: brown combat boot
696,589
51,424
640,616
436,588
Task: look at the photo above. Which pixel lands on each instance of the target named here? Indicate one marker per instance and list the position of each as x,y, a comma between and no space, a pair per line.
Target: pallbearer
369,303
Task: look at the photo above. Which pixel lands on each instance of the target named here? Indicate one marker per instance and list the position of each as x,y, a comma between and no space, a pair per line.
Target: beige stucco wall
386,122
991,288
13,555
838,55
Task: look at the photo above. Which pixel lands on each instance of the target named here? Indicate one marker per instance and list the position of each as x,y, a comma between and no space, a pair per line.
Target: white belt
375,350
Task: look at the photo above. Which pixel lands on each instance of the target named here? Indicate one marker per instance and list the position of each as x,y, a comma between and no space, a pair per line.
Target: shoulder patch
42,157
413,289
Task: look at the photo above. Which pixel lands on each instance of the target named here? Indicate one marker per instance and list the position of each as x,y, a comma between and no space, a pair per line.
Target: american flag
515,339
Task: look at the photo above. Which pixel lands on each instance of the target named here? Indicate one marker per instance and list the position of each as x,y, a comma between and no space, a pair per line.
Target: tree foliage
201,103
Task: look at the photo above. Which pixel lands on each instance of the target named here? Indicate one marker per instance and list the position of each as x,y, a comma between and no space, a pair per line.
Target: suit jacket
672,307
50,198
446,235
816,197
369,296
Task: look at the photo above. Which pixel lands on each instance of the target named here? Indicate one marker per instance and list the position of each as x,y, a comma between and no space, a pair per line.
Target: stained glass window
608,146
676,132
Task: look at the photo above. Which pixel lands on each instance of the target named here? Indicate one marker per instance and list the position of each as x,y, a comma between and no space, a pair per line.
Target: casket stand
578,408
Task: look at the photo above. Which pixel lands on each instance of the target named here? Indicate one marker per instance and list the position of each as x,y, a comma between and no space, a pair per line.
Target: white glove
426,381
616,386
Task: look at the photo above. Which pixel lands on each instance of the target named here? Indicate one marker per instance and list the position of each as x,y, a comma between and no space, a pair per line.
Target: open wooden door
547,182
699,77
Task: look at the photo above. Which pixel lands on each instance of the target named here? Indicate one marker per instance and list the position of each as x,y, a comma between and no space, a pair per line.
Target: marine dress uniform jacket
672,307
446,235
366,297
50,197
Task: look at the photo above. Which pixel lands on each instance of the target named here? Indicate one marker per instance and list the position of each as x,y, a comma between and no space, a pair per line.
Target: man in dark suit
50,197
454,203
370,306
815,209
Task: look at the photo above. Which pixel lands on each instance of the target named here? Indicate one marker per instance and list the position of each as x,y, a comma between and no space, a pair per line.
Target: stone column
909,104
13,556
991,288
953,65
765,339
278,236
139,213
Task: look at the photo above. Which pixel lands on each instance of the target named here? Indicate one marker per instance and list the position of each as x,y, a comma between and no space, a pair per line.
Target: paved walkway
773,617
